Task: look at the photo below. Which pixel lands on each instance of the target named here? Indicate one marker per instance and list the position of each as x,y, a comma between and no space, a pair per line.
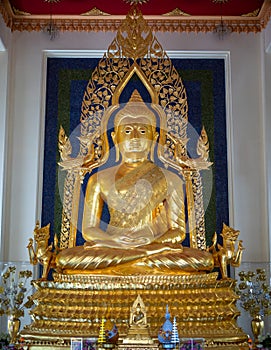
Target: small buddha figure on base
138,331
138,317
146,206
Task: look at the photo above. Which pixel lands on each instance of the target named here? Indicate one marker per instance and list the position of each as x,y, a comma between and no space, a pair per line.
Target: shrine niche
205,88
133,213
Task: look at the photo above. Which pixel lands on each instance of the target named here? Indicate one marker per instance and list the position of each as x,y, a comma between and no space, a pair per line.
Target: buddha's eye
128,130
142,131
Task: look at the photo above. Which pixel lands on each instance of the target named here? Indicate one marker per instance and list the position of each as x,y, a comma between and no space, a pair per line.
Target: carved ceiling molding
95,23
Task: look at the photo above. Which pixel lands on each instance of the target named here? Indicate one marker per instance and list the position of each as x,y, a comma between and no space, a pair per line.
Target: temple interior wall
22,118
267,118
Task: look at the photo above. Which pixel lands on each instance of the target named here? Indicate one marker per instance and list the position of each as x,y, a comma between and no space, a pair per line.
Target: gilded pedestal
73,306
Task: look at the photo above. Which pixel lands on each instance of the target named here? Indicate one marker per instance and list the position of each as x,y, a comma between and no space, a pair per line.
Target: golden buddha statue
146,206
141,250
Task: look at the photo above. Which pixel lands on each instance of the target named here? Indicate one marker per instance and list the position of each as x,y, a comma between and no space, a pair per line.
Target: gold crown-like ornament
228,233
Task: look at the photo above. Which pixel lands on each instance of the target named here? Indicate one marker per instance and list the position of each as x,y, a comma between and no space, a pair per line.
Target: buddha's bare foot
156,248
174,246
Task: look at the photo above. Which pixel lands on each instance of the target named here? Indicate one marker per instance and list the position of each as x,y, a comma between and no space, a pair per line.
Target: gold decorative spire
134,35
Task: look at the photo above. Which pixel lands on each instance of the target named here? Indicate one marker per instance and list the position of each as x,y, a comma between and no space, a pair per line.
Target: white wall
3,124
267,118
249,210
3,88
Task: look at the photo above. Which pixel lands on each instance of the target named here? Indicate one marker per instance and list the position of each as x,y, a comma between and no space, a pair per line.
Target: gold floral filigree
254,292
134,35
176,12
95,12
20,13
13,292
252,14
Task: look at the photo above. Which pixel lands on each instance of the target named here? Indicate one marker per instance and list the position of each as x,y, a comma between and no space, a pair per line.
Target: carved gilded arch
101,98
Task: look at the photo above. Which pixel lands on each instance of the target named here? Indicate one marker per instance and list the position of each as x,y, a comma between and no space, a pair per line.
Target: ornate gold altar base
73,306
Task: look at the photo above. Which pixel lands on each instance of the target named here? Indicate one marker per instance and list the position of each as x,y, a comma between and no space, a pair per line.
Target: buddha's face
134,137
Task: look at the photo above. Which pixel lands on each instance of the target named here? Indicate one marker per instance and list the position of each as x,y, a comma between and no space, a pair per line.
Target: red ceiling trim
157,23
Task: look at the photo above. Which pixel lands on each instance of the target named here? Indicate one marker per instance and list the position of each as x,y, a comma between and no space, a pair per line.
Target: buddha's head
135,130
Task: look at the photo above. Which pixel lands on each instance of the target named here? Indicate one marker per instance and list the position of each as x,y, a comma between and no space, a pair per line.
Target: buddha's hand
129,241
139,237
171,236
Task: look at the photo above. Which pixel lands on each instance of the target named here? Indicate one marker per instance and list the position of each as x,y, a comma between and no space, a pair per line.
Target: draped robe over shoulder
145,230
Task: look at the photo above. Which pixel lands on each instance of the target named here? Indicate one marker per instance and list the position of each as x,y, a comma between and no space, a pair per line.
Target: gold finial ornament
134,35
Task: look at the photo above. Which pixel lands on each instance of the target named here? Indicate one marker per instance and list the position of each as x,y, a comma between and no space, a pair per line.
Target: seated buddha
147,226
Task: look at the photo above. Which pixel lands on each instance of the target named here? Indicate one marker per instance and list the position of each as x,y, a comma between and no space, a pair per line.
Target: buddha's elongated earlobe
153,146
117,153
152,151
117,150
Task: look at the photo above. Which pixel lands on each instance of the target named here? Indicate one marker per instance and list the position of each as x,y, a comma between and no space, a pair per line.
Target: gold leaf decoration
252,14
136,2
95,12
203,145
176,12
134,35
20,13
64,144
